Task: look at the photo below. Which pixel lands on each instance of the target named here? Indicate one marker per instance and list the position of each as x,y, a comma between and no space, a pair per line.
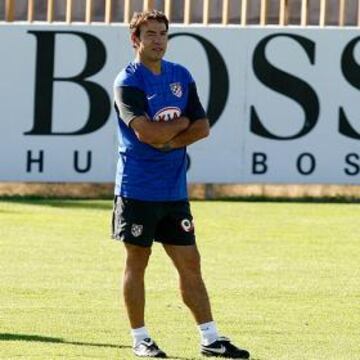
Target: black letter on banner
286,84
351,72
349,160
300,161
259,163
219,78
98,98
76,162
39,160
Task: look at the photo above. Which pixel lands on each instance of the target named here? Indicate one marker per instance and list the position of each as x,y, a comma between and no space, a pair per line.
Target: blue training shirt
143,172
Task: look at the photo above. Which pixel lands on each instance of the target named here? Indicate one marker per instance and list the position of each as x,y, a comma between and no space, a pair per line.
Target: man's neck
153,66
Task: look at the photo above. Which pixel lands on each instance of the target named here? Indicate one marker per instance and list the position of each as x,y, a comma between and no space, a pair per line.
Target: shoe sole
208,354
163,356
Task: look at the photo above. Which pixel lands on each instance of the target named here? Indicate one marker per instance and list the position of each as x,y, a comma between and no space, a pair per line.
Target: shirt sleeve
194,110
130,103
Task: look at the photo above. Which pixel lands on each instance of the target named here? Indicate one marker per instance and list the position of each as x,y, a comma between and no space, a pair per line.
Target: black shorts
141,222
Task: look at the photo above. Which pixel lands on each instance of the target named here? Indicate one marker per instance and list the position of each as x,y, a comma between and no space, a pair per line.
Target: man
159,114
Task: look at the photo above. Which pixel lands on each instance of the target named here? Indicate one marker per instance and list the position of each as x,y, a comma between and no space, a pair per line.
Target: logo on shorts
176,89
136,230
187,225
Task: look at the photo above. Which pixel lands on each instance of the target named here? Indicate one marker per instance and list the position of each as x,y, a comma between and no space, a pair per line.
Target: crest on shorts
176,89
136,230
187,225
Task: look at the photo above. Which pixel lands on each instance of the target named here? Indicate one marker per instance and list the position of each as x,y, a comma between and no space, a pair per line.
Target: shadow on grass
70,203
47,339
54,340
9,212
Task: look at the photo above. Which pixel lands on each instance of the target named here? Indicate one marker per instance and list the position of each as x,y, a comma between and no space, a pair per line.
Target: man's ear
135,40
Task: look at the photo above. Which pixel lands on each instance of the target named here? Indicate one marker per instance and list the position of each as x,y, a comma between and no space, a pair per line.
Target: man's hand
162,147
196,131
154,132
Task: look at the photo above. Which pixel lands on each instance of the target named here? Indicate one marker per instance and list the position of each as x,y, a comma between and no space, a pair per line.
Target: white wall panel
228,154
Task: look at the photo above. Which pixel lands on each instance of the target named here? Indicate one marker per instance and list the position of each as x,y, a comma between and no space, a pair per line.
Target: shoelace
147,342
150,344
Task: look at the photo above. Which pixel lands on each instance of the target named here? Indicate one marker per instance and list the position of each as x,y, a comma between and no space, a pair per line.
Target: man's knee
137,258
191,266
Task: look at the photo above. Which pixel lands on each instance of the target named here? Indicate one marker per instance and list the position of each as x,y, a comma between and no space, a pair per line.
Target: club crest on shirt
176,89
167,113
136,230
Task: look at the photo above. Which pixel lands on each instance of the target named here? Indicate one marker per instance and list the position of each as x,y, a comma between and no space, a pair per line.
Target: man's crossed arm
195,131
154,132
167,135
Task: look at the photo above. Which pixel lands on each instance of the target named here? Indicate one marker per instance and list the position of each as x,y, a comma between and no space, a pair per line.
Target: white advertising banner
284,103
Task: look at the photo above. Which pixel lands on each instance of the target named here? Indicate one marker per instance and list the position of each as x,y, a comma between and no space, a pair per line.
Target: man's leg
193,291
187,262
137,258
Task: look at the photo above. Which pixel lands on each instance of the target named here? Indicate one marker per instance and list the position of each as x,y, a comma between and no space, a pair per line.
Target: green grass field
284,279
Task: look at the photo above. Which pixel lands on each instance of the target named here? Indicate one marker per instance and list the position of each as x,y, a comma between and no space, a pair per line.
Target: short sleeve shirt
144,172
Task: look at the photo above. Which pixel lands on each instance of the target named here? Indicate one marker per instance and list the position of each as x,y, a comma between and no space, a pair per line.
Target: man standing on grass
159,114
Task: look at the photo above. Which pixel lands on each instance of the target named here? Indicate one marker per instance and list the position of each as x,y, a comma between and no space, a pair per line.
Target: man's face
152,42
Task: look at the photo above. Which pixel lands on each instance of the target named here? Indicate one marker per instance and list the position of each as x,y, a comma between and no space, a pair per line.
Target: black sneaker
148,348
222,347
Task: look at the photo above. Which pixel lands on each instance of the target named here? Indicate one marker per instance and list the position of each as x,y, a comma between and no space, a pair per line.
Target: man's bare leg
193,291
187,261
137,258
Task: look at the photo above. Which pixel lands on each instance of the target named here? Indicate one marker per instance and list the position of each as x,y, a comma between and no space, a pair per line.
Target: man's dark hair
140,18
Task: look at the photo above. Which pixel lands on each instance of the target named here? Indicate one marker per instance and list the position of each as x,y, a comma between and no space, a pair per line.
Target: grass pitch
284,280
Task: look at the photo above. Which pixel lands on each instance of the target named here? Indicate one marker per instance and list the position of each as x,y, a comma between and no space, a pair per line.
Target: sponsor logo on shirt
167,113
151,96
